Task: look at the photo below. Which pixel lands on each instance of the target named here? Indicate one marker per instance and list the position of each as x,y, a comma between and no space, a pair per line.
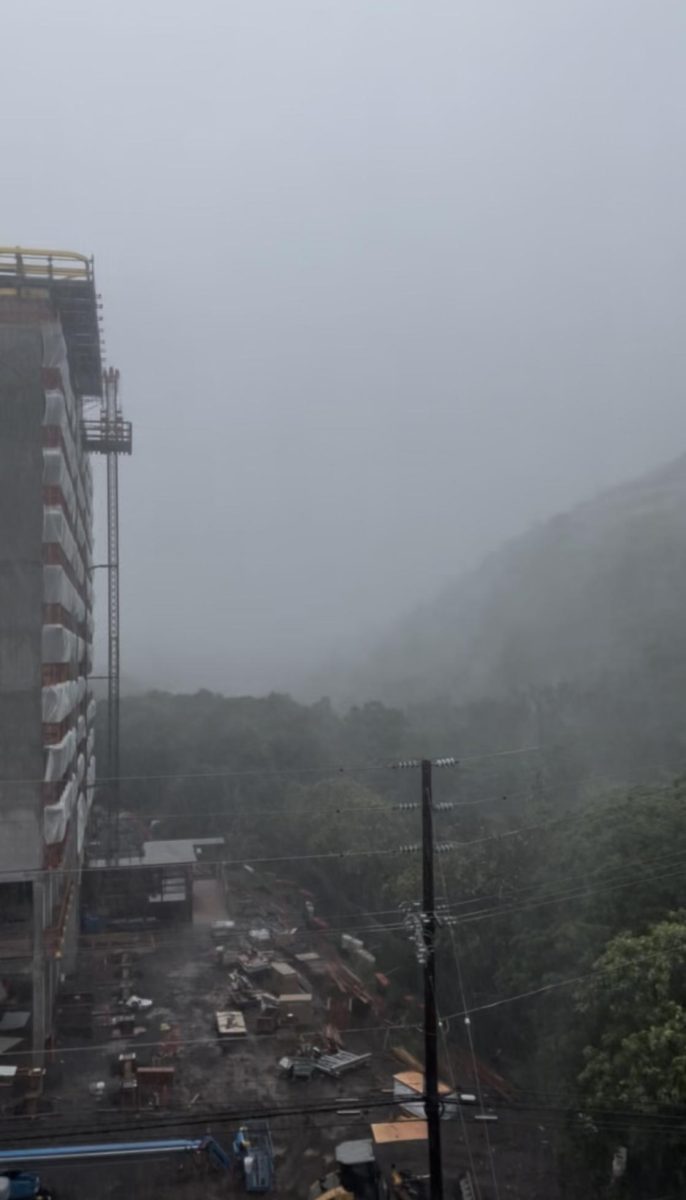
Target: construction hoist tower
111,436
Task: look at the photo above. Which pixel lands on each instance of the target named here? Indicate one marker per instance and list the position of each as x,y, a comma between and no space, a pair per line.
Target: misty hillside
590,595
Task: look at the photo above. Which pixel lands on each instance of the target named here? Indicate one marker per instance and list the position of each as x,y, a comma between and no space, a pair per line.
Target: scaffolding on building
110,435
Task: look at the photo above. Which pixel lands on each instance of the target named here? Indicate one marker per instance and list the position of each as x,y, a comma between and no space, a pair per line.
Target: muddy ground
176,968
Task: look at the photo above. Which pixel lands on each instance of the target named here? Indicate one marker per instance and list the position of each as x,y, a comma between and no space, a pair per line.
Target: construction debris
220,929
408,1087
231,1026
296,1008
341,1062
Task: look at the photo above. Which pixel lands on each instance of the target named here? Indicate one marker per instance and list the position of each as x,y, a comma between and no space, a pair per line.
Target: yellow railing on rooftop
44,264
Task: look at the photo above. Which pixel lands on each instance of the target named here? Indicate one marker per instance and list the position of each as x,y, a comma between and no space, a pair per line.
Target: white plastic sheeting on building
56,474
81,821
60,699
56,417
57,409
58,589
55,350
56,530
60,645
55,355
56,816
59,757
90,782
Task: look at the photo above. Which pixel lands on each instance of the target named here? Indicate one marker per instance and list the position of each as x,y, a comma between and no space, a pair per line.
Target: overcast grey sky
386,280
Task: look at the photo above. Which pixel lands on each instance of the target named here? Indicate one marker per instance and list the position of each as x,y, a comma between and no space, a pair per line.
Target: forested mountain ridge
594,593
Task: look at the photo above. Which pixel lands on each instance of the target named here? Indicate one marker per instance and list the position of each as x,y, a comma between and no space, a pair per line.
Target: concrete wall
21,596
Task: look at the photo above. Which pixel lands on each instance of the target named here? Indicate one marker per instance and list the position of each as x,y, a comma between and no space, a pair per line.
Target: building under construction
50,370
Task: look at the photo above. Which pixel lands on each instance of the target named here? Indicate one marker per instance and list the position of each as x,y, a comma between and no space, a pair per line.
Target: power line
287,772
470,1039
596,973
233,807
411,848
457,760
677,856
257,859
581,893
243,1113
601,1116
449,905
364,1029
33,873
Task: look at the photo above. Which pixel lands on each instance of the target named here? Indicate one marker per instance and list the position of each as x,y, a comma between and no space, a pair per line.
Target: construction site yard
176,981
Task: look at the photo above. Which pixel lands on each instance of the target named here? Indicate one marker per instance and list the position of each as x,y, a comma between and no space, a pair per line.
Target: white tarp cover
56,529
60,645
90,783
58,410
56,816
58,589
59,757
59,699
55,355
56,474
55,350
55,416
81,819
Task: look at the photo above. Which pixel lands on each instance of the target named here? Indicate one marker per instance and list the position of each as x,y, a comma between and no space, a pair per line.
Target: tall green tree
633,1078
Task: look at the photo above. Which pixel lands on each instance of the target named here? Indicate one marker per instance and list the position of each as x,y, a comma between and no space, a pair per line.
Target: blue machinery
257,1165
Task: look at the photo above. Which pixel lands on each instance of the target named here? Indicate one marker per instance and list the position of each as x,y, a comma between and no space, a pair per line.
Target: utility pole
432,1102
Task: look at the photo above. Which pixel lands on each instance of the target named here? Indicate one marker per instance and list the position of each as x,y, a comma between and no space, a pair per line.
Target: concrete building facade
49,355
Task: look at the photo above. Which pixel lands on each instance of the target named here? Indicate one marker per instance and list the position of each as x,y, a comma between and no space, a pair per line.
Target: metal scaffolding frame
111,436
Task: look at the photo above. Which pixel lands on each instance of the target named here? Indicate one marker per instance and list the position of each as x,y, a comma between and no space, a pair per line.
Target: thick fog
386,281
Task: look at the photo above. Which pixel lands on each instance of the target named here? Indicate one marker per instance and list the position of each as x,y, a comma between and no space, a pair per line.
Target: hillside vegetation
565,872
589,601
